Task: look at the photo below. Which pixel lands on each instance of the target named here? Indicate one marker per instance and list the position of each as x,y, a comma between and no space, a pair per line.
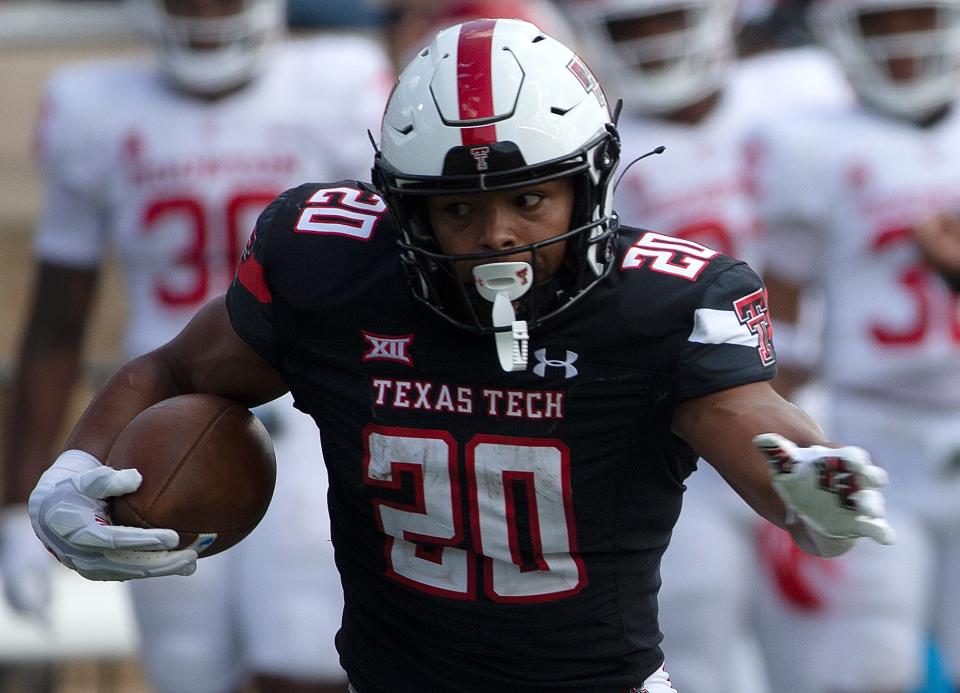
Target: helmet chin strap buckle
503,283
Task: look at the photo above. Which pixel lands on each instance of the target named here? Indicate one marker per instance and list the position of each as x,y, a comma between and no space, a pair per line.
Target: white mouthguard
502,283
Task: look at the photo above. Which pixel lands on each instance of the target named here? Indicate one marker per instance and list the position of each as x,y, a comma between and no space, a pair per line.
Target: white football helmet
209,56
496,104
836,24
662,73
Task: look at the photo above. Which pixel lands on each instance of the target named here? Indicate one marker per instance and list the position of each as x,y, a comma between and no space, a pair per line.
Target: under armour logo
383,348
480,155
543,362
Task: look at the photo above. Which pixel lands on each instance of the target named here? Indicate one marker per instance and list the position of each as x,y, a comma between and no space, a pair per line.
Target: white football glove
832,490
25,565
69,514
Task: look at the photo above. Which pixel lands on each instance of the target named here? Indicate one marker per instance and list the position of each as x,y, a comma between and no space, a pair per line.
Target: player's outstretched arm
68,505
826,496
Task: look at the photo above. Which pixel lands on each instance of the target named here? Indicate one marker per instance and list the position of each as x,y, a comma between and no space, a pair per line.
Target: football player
855,200
171,166
510,388
673,64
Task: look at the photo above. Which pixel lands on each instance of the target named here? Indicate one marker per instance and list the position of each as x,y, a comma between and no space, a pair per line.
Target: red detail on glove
780,459
834,476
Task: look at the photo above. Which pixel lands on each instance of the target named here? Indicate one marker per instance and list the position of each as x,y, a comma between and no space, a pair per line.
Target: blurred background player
770,25
172,166
860,202
673,64
410,24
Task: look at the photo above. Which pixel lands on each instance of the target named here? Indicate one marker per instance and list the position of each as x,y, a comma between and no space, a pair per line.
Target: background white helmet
663,73
496,104
836,24
417,24
211,55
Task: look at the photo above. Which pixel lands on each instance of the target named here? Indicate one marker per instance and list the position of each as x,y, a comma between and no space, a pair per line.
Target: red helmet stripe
475,80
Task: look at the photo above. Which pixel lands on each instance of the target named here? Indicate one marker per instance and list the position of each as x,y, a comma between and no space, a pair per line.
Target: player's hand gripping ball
208,471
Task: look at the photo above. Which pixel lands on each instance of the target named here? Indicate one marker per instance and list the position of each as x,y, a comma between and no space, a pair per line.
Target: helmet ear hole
608,154
604,161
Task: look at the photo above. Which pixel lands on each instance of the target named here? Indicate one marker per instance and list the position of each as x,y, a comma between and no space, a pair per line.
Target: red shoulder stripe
250,275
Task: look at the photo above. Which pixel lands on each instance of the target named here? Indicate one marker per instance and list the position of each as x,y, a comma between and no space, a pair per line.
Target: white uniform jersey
701,187
787,80
696,189
176,183
840,192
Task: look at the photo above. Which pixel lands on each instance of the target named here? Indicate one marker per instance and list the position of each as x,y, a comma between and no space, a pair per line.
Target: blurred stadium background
90,644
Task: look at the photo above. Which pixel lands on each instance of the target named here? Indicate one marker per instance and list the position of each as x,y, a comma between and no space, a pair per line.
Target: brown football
208,471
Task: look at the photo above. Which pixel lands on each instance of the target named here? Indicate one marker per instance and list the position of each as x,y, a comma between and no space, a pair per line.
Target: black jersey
495,531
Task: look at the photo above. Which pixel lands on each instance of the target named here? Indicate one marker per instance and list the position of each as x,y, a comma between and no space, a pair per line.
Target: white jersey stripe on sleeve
712,326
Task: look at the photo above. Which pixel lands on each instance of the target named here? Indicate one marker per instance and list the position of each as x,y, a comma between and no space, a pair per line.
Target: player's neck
216,96
934,118
695,113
